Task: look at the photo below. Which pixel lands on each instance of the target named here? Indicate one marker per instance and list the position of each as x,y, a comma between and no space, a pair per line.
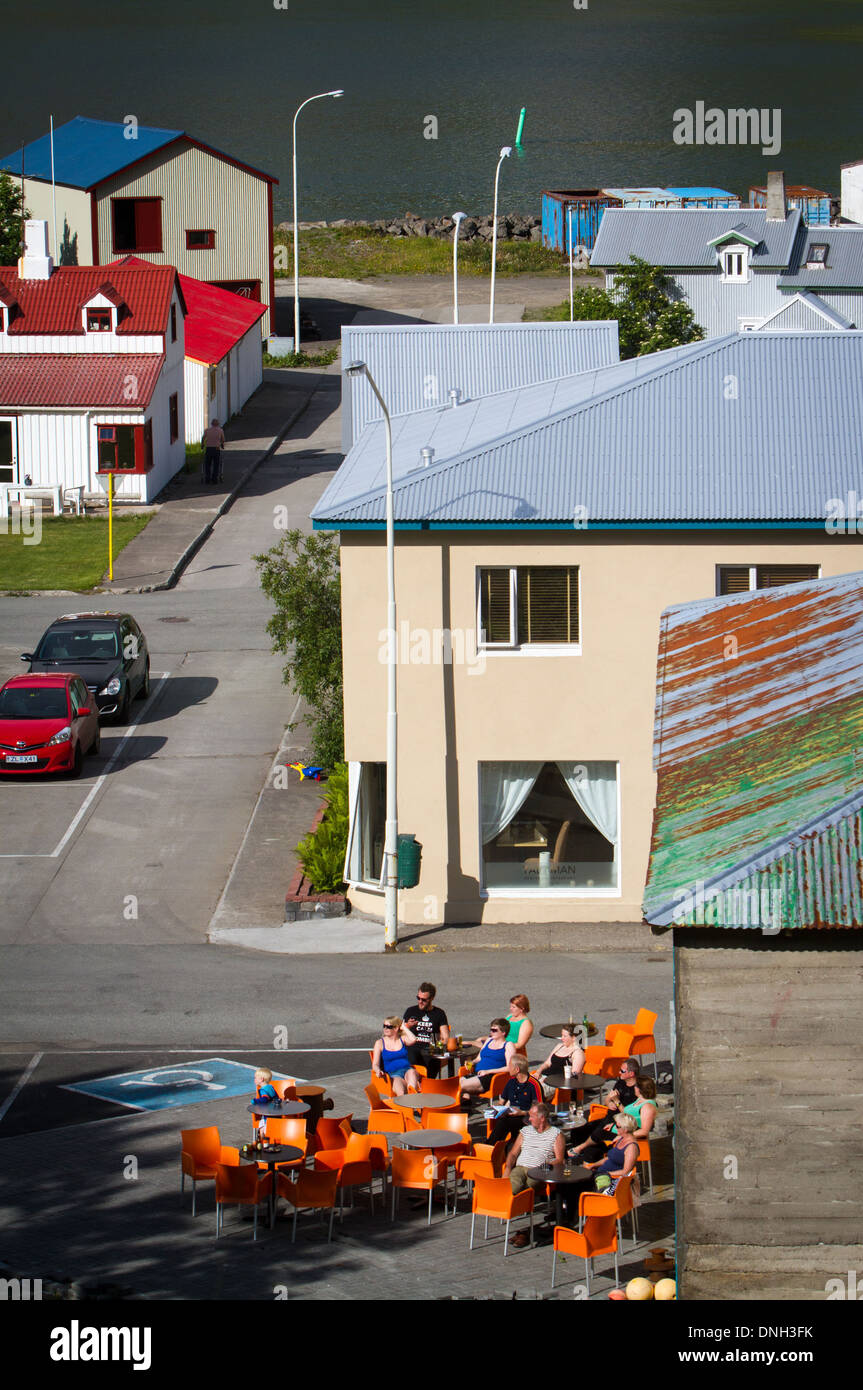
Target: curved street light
317,97
391,836
458,218
504,154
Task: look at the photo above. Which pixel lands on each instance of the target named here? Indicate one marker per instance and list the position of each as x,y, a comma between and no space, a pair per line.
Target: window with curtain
550,826
527,605
367,822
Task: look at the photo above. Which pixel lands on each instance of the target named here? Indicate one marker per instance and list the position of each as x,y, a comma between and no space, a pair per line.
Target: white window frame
352,867
570,894
513,647
753,577
748,325
725,253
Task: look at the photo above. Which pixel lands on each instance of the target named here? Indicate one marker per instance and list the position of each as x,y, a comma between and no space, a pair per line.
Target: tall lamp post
504,154
339,93
458,218
391,935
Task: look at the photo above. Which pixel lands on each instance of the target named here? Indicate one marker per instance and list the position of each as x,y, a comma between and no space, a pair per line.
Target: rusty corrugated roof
759,751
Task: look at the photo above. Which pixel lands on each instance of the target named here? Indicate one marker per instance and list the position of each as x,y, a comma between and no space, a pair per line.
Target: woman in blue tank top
494,1056
390,1056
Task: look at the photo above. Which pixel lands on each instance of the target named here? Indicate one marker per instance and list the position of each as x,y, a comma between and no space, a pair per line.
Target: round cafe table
271,1155
579,1081
555,1174
553,1030
419,1101
279,1107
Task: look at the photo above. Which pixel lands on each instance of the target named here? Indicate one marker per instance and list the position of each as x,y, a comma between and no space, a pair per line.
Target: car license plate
21,758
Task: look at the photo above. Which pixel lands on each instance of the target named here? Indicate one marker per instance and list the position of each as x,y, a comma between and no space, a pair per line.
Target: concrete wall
768,1085
596,704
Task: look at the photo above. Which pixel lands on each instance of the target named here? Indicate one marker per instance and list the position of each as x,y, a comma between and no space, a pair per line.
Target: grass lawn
358,253
72,554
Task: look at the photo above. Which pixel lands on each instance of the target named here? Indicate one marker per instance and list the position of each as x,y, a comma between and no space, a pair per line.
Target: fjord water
600,85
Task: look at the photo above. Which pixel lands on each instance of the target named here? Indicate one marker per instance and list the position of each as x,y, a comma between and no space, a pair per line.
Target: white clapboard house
91,374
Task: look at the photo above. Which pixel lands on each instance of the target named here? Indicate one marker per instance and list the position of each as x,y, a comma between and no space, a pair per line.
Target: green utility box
409,859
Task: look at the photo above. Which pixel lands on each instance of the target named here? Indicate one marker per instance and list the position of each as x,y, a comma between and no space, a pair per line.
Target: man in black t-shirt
429,1024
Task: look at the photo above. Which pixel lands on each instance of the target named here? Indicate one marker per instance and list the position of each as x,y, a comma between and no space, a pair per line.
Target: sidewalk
187,510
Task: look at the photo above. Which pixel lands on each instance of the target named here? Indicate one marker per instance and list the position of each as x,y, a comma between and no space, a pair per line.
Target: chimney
777,208
35,264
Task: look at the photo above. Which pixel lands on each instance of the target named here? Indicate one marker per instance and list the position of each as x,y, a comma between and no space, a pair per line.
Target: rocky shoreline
511,226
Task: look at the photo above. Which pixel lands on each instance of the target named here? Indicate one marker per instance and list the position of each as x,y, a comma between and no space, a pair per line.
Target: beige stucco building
526,733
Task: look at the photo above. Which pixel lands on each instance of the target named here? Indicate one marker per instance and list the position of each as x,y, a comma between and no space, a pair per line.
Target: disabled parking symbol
161,1088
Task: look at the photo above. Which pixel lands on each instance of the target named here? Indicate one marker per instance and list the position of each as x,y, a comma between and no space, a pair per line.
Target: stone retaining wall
510,227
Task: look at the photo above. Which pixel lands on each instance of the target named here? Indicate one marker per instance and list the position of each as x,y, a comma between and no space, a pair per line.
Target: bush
322,852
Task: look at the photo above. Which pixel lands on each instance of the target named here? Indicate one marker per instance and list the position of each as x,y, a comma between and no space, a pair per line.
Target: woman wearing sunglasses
494,1056
390,1056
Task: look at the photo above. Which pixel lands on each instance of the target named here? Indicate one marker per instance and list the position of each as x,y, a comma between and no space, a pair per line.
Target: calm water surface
600,86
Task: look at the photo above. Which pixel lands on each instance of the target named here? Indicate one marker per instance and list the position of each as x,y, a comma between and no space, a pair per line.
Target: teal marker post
520,130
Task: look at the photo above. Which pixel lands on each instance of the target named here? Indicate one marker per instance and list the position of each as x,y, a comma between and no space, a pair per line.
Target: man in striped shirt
537,1143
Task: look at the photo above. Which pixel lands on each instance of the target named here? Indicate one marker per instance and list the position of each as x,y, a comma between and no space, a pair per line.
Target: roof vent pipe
777,208
426,454
454,396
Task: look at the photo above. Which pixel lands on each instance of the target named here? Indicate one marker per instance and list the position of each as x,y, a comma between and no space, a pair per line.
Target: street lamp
356,369
571,306
504,154
339,93
458,218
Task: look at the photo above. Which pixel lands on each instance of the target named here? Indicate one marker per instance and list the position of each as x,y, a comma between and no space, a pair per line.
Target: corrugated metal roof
54,305
844,266
86,152
697,192
675,237
803,312
215,320
416,366
452,432
752,427
125,380
759,726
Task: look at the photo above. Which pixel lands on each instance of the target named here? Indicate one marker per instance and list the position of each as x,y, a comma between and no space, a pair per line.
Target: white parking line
22,1082
55,853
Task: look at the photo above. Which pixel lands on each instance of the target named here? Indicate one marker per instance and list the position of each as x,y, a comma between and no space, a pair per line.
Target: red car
47,724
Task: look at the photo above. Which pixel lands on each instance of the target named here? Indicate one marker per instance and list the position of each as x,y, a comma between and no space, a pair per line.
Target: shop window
550,827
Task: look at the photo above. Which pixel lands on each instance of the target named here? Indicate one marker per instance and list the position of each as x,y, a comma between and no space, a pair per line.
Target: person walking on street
214,443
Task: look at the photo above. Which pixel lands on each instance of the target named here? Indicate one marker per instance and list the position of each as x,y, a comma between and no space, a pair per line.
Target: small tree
650,319
11,237
641,300
301,576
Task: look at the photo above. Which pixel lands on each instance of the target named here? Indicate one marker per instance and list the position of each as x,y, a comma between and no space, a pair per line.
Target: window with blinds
528,605
740,579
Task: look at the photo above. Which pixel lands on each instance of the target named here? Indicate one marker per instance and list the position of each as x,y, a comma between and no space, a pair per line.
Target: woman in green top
642,1110
520,1026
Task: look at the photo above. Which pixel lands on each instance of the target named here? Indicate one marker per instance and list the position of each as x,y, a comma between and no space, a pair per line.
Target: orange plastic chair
417,1169
201,1153
605,1061
495,1197
443,1086
391,1122
644,1042
370,1148
289,1129
242,1187
373,1096
333,1133
495,1085
621,1202
646,1161
599,1237
486,1161
285,1089
382,1084
310,1192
